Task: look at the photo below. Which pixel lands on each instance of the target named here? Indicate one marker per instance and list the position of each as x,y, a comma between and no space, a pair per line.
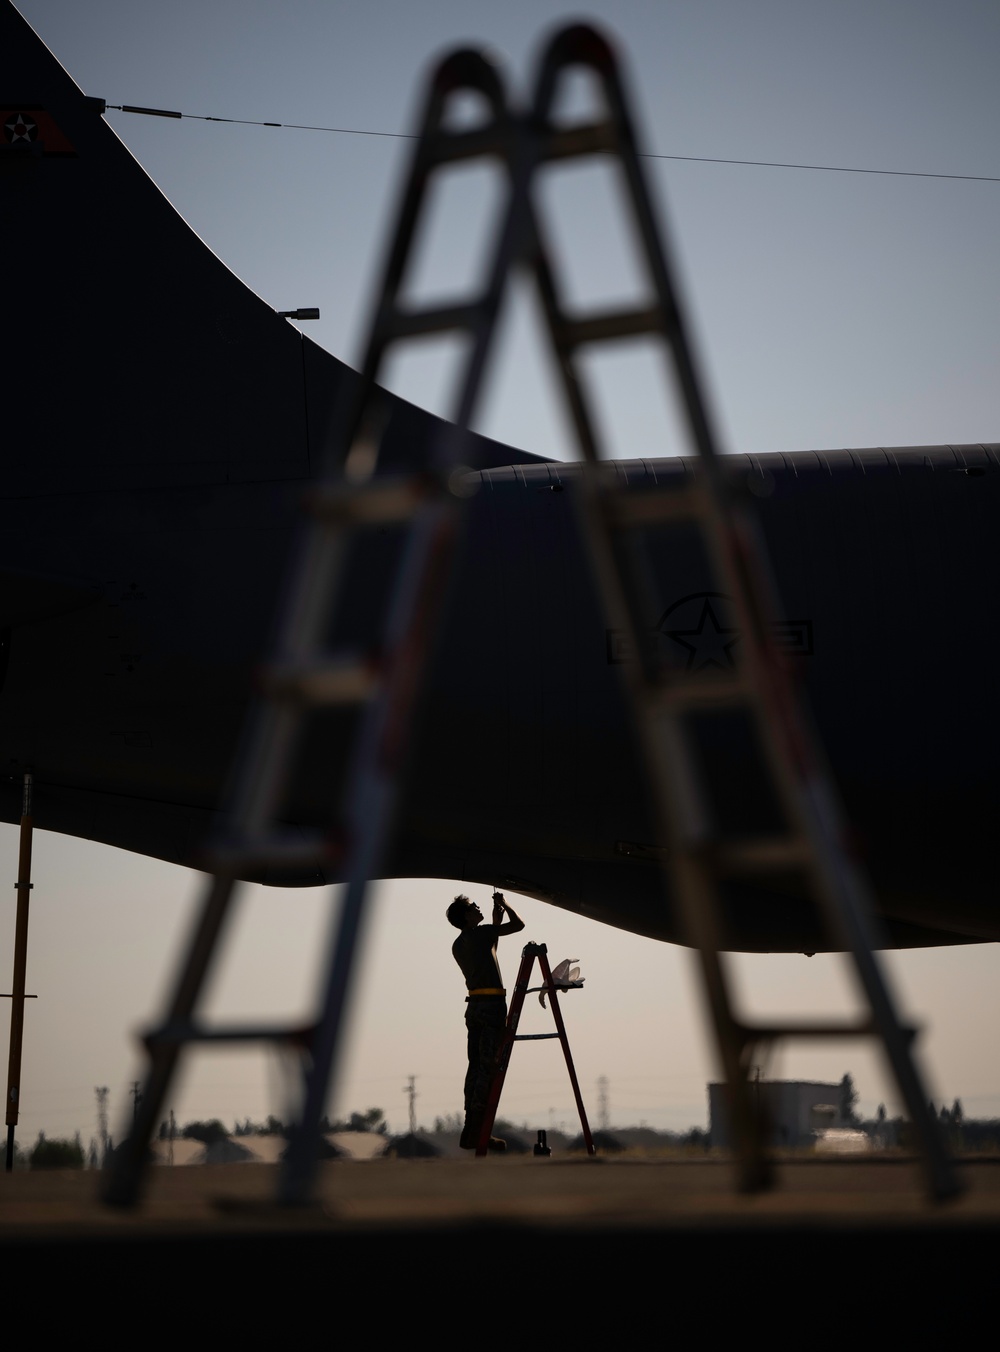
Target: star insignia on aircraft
709,644
20,127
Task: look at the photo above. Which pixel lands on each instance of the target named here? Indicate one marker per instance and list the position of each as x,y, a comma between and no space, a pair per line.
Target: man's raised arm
514,921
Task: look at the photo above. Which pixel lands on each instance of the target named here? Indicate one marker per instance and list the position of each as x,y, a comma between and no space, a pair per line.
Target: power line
646,155
250,122
826,168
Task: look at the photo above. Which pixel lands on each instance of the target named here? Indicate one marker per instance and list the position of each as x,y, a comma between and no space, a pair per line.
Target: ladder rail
806,792
263,762
543,963
675,801
129,1158
506,1047
375,778
463,70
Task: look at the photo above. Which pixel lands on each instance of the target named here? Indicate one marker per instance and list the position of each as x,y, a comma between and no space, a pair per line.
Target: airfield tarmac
603,1194
616,1245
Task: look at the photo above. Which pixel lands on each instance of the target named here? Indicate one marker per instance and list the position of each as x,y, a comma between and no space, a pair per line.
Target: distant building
798,1111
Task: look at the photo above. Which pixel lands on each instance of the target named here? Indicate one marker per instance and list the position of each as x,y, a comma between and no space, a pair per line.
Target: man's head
463,913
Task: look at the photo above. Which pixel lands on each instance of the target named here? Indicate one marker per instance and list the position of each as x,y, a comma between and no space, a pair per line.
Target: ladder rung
324,680
764,855
602,328
278,850
415,323
708,691
772,1032
533,1037
650,509
590,139
448,146
178,1034
382,500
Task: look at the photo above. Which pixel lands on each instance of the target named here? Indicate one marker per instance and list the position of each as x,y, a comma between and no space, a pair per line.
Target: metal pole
23,887
411,1093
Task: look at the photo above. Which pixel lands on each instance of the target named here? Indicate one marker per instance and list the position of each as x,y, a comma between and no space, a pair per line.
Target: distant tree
451,1122
56,1154
881,1112
944,1116
697,1136
373,1119
207,1132
847,1100
956,1111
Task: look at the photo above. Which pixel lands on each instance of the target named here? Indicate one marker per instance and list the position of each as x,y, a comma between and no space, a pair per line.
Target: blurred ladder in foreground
384,685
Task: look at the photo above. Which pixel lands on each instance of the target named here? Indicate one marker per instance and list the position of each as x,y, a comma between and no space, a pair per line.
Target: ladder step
592,139
534,1037
764,855
602,328
709,691
444,147
772,1032
416,323
654,508
396,499
279,850
350,679
178,1034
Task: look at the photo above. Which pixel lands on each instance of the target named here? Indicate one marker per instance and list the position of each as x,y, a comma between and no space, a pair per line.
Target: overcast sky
832,309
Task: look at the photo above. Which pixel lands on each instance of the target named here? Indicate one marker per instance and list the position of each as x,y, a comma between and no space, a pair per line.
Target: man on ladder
475,951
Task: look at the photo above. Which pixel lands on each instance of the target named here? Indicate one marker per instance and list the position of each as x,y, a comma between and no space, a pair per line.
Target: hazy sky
832,310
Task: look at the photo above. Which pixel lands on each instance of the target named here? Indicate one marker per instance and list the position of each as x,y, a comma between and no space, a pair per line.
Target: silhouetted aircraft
161,423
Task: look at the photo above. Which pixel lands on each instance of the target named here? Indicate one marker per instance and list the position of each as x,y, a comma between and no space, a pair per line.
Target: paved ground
504,1251
601,1193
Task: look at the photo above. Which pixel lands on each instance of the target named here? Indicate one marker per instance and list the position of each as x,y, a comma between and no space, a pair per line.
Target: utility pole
102,1122
18,997
603,1112
411,1093
136,1092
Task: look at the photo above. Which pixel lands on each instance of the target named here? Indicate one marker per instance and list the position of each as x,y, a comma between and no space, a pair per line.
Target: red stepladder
521,988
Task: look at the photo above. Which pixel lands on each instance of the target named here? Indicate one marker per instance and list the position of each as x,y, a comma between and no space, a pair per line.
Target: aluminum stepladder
521,988
304,675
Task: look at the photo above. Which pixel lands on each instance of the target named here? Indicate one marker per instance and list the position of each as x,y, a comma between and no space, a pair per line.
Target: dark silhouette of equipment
23,886
679,715
521,988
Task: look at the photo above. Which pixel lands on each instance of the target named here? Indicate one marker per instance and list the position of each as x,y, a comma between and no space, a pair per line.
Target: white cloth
565,977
